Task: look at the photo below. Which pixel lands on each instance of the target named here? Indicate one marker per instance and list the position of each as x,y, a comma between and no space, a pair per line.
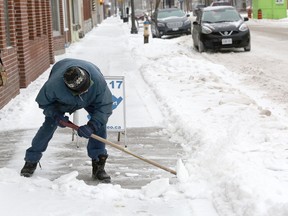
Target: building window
279,1
75,15
65,10
38,16
44,17
55,17
7,23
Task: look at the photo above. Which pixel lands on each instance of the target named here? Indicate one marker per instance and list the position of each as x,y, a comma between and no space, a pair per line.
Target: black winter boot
28,169
98,171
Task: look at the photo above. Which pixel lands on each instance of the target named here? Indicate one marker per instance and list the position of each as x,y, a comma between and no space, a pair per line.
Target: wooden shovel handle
94,136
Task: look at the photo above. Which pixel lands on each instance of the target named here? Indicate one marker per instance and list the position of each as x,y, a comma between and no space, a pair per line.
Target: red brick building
33,31
26,43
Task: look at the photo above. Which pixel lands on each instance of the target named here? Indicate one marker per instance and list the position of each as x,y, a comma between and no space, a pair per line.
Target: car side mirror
246,18
188,15
195,23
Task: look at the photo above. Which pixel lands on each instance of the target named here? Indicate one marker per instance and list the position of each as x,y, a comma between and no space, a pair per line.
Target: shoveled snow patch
182,173
131,174
156,188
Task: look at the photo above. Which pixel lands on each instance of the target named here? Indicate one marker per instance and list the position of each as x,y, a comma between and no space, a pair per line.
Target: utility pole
133,26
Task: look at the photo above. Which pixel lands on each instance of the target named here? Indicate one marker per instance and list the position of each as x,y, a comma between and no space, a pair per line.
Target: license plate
175,29
226,41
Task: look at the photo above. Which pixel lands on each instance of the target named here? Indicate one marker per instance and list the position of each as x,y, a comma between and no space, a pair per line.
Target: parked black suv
170,21
220,27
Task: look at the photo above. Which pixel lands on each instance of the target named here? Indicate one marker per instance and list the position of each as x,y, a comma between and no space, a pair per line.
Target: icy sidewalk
64,156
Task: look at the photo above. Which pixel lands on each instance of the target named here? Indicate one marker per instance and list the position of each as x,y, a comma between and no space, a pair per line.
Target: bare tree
156,10
188,5
157,4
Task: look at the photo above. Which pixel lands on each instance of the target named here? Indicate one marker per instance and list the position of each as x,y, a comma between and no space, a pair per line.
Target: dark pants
45,133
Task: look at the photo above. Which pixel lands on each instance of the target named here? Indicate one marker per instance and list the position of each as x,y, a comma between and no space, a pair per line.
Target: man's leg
98,153
95,147
38,146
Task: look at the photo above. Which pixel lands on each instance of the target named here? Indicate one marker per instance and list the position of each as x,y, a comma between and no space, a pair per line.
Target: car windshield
170,13
220,3
222,15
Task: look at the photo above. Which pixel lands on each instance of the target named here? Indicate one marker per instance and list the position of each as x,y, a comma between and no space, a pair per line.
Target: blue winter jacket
55,96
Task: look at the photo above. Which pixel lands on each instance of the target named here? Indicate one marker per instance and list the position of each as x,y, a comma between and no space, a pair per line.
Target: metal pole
133,26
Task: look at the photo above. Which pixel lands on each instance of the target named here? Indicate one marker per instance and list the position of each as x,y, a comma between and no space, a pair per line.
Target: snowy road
276,32
265,67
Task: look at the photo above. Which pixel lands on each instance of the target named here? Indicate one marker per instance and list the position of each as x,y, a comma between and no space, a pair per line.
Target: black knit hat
77,79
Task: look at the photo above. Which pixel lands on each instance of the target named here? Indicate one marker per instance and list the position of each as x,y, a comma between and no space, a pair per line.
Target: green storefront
269,9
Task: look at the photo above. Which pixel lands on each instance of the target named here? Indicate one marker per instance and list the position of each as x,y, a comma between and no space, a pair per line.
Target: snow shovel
94,136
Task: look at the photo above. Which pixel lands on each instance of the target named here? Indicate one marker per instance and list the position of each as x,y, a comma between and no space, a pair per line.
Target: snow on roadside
232,144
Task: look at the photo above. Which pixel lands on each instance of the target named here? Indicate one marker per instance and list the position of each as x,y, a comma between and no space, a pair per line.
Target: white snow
236,151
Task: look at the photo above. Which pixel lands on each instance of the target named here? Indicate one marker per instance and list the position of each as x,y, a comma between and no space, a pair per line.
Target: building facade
26,43
32,32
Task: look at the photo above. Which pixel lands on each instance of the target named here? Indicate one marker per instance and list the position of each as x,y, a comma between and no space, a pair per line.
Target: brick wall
59,44
9,56
27,43
36,61
31,49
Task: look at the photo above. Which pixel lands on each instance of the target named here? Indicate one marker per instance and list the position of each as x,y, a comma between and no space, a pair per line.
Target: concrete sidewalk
125,170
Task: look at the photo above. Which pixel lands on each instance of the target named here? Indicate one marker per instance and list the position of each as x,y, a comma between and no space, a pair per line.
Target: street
265,66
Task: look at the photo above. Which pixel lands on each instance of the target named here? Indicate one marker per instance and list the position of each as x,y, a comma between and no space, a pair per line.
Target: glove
61,117
85,131
94,124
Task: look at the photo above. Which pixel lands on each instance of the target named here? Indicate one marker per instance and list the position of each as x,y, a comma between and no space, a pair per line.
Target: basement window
7,23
